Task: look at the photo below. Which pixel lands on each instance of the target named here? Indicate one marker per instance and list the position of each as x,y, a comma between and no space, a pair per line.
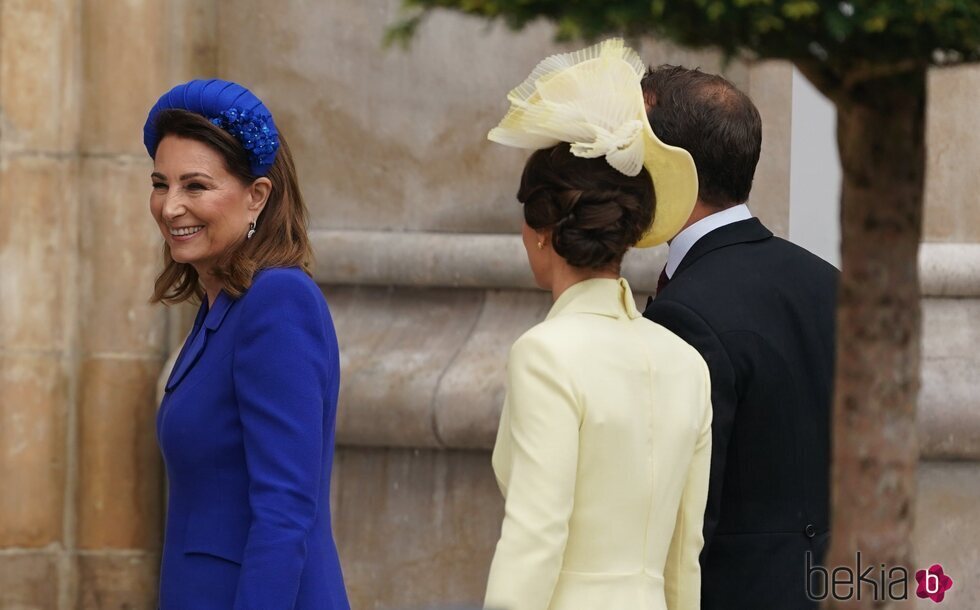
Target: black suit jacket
761,312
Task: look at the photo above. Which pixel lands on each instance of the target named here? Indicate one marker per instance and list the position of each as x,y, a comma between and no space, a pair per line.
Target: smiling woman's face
201,208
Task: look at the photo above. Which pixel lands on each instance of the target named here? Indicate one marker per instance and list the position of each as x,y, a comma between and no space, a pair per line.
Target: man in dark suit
760,310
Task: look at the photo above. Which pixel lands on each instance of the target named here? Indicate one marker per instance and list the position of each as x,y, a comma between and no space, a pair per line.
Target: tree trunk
880,132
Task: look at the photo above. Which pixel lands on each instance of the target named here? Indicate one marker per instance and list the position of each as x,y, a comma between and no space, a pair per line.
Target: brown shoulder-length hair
280,238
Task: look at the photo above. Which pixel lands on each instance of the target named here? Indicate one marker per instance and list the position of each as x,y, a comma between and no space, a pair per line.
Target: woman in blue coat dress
247,423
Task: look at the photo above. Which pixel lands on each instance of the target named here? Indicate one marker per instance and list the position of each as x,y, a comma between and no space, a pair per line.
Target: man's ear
649,99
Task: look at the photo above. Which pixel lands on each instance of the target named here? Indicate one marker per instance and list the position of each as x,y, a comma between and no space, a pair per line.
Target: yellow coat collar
600,296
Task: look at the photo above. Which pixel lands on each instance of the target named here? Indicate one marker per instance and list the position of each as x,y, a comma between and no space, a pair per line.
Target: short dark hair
710,118
281,239
595,212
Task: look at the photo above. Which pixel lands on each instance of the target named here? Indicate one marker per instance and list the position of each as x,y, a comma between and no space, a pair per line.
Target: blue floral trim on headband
253,131
230,107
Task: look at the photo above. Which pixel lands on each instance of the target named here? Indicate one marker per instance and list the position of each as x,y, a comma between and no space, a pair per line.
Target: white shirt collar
683,241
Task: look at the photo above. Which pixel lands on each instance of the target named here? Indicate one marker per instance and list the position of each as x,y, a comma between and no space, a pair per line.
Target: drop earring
251,230
540,245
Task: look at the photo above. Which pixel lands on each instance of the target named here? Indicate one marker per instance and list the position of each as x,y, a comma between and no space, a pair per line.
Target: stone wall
81,348
40,187
949,401
416,232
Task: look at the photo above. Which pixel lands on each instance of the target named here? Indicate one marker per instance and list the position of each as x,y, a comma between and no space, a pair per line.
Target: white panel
815,174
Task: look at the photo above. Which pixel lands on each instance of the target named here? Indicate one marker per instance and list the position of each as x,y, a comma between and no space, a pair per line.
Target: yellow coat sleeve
538,444
682,571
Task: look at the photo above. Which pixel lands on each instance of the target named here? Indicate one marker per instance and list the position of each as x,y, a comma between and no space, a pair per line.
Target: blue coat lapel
194,346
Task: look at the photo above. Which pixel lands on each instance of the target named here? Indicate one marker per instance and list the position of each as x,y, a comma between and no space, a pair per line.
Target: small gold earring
540,245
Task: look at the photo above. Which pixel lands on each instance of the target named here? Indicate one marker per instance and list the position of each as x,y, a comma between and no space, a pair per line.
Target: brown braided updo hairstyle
595,212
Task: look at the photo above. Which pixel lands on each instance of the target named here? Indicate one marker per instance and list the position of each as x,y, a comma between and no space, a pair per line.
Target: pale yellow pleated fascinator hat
592,99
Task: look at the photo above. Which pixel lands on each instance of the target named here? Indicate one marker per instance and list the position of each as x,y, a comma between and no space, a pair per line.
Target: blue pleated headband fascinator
227,105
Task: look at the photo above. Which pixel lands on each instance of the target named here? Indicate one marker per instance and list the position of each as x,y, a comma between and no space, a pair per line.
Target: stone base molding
426,331
497,260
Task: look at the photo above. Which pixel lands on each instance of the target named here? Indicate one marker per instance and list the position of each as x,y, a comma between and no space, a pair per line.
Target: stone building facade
416,233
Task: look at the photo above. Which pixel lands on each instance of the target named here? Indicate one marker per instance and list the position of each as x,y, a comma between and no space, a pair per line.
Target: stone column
133,53
39,204
122,340
947,530
80,348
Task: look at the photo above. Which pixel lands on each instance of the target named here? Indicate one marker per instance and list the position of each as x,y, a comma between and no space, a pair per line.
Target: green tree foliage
844,41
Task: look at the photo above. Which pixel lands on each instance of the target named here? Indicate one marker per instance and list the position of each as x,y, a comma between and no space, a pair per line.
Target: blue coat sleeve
281,365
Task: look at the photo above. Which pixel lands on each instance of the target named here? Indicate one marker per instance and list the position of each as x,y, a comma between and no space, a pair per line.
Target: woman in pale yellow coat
605,437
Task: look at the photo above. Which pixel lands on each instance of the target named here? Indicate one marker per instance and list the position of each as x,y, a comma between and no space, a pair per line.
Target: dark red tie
662,281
